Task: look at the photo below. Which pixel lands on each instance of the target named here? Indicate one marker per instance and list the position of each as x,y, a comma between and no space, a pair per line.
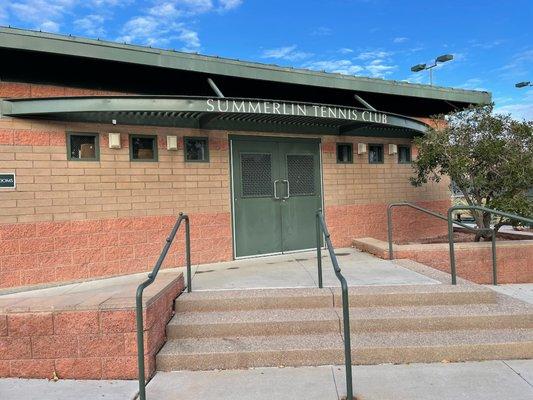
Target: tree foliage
488,156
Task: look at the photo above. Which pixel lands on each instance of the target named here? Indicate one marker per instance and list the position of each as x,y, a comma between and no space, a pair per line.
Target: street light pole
440,59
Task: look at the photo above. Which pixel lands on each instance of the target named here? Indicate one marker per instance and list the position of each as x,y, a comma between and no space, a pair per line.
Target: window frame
408,146
350,161
382,161
154,148
206,138
96,146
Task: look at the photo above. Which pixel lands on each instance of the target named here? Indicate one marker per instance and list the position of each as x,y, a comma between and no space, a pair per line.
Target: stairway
389,324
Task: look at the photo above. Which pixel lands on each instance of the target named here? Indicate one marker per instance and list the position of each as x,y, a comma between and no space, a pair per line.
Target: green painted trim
89,106
382,153
185,138
350,161
261,138
96,146
154,148
103,50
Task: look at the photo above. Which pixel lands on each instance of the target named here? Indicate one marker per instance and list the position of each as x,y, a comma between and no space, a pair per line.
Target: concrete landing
300,270
489,380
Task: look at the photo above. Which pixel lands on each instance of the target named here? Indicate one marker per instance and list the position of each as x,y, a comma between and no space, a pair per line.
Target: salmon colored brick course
90,344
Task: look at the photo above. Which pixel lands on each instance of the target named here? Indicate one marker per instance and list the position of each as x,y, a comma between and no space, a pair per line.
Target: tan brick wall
50,188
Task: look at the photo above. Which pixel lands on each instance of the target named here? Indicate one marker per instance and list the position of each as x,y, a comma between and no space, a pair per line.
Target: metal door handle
288,189
275,189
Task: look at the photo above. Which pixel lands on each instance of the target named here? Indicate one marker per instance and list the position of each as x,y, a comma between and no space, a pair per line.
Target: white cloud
43,14
345,50
290,53
400,39
345,67
374,54
322,31
519,66
195,6
473,84
229,4
92,25
164,10
522,109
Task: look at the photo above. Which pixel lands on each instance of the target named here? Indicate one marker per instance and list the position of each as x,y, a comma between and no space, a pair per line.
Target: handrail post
140,341
188,253
139,296
451,245
347,341
389,230
318,248
494,263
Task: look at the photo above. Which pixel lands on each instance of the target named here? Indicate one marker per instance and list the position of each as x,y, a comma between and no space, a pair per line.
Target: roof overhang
46,43
218,113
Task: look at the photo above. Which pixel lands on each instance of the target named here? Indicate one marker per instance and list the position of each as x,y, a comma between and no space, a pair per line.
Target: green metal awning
217,113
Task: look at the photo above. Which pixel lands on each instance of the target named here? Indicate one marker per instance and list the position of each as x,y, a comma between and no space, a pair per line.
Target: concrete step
307,298
237,352
371,319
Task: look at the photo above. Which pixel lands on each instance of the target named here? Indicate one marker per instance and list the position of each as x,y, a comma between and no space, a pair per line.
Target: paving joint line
335,382
518,373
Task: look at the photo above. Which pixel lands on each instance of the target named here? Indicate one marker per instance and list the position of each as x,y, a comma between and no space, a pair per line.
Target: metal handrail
321,228
442,217
151,277
451,242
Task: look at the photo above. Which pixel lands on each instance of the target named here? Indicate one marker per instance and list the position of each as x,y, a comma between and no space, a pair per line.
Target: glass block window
83,146
256,175
301,174
196,149
404,154
344,153
143,148
375,153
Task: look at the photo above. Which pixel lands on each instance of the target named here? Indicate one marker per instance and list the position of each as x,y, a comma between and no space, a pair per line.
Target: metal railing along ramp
322,229
451,222
151,277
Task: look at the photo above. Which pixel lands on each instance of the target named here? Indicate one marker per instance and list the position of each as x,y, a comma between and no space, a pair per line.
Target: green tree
488,156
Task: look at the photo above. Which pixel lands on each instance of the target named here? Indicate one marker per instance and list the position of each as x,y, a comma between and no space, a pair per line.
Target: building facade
102,145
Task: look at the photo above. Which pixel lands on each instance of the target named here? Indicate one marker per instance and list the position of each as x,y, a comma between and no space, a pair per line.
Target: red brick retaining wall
473,260
62,251
88,344
370,220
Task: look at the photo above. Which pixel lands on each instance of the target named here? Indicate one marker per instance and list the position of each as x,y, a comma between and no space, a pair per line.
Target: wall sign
296,109
7,181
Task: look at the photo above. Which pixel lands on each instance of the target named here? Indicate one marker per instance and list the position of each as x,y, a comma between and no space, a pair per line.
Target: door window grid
301,174
256,175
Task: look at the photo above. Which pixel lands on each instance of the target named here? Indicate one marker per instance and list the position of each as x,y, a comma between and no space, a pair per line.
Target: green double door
276,192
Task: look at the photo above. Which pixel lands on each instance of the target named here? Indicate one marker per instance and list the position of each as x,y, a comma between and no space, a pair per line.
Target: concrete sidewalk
489,380
42,389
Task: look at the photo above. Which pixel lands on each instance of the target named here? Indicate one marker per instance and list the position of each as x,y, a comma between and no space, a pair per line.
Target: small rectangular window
196,149
83,146
375,153
143,148
404,154
344,153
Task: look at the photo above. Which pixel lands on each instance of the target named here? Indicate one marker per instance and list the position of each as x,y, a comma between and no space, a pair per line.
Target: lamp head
444,58
522,84
418,67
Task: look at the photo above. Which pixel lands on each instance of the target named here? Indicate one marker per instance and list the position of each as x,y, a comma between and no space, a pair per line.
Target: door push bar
276,197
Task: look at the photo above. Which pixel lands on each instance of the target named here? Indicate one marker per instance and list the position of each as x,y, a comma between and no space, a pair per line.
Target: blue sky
492,41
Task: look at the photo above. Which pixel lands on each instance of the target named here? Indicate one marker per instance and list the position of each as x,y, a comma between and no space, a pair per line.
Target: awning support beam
215,88
363,102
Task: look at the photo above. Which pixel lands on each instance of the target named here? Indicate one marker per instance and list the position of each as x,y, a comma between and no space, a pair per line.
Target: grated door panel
301,174
256,175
